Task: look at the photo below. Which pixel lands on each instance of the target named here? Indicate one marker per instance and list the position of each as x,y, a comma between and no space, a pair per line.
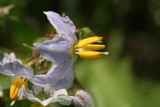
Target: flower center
87,50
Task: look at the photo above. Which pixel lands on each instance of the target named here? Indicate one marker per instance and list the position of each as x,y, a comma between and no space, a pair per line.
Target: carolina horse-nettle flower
63,49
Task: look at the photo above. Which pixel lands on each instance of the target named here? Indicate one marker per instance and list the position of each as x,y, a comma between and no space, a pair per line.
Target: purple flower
18,91
13,67
62,50
59,50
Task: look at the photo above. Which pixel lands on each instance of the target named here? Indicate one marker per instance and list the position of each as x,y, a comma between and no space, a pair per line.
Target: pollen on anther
16,85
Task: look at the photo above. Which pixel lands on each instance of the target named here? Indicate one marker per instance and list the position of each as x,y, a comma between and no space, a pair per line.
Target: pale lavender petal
61,76
67,80
3,70
63,92
39,80
64,100
13,67
48,89
23,71
37,89
19,70
69,23
10,67
62,25
56,50
10,59
27,94
60,92
61,98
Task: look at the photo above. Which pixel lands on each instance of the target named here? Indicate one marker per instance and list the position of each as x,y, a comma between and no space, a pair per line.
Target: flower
83,99
62,50
13,67
60,96
19,88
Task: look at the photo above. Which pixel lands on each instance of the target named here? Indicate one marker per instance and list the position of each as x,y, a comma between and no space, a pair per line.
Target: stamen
19,84
90,55
16,85
93,47
99,42
12,103
13,88
105,53
87,41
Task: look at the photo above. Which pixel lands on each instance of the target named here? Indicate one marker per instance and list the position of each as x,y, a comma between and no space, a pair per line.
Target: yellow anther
13,102
16,85
87,41
93,47
90,55
38,105
105,53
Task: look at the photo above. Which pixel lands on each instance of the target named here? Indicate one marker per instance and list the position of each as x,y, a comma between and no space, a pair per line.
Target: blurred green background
129,77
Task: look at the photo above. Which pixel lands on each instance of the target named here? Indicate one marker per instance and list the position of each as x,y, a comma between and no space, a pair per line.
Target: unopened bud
83,99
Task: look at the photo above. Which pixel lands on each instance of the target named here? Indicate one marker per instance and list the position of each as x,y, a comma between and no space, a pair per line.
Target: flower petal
39,80
62,95
61,76
23,71
56,50
10,59
3,70
19,70
60,92
13,67
63,25
61,98
37,89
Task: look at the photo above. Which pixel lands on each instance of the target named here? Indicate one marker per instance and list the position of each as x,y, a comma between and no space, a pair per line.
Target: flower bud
83,99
